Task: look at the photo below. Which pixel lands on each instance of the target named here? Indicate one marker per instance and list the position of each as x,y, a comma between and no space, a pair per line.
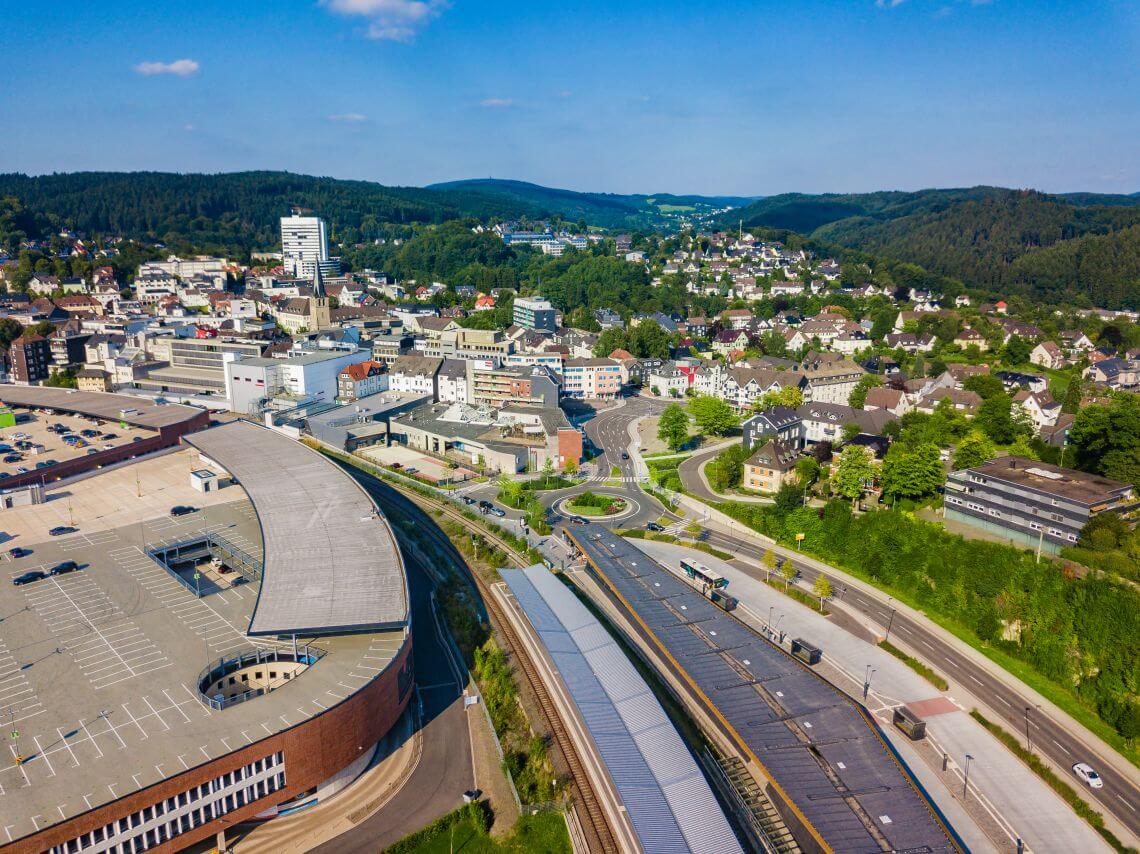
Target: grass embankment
466,830
801,596
661,537
915,665
1061,787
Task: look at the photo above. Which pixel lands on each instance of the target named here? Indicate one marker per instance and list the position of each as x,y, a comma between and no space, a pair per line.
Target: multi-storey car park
140,427
202,670
835,780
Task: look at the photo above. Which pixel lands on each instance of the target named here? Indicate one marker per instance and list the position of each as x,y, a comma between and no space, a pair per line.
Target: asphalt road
1119,795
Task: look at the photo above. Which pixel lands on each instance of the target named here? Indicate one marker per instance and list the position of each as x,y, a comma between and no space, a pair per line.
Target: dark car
624,455
578,520
12,458
485,504
28,577
63,568
653,526
18,552
468,500
89,433
182,510
60,530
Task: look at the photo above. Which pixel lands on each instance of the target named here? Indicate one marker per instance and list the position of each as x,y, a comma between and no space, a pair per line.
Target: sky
738,98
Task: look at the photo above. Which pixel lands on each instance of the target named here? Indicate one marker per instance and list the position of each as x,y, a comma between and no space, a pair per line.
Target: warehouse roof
331,561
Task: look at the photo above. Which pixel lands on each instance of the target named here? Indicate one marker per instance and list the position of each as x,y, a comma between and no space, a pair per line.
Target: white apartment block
304,244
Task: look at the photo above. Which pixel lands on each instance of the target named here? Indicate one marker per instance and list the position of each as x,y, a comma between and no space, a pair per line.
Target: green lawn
459,832
590,511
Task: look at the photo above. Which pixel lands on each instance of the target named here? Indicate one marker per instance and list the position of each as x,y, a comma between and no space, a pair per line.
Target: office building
304,244
535,313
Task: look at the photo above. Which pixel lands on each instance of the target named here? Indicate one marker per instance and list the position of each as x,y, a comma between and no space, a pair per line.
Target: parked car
498,511
624,455
89,433
182,510
485,504
468,500
28,577
18,552
1086,773
60,530
410,470
63,568
653,526
12,458
22,470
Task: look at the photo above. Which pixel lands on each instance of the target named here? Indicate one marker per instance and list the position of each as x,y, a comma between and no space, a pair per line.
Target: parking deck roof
331,561
111,407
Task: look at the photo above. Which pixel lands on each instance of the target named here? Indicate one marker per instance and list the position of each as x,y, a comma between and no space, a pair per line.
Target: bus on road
700,573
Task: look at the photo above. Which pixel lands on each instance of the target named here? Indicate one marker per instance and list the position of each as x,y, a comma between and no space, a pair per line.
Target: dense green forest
1017,242
604,210
236,212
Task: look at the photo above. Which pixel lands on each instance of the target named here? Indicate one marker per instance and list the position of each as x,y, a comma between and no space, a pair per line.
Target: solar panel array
668,801
813,741
331,561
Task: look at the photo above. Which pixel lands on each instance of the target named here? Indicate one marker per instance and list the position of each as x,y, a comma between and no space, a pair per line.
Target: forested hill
605,210
238,210
1045,246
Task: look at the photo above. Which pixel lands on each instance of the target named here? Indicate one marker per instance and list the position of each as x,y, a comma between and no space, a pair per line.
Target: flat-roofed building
1032,503
534,313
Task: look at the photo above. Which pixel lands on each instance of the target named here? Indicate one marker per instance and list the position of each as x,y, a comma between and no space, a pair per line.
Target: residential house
961,399
415,375
360,380
1047,354
94,379
968,337
770,467
890,399
779,422
824,422
30,357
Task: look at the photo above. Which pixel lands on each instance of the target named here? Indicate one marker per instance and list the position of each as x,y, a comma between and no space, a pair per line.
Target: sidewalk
1024,805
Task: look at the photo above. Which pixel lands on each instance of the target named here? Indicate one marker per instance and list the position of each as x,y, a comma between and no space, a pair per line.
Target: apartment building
1031,503
771,466
194,365
497,387
534,313
830,380
30,356
592,378
304,243
361,380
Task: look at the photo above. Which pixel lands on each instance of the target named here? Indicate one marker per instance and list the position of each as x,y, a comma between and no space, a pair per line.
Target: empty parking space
70,604
219,634
86,541
17,698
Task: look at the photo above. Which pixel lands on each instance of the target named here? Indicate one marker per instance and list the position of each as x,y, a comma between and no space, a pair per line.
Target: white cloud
179,68
348,117
499,103
392,20
888,4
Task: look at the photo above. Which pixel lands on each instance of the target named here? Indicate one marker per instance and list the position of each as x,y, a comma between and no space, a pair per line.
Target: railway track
595,827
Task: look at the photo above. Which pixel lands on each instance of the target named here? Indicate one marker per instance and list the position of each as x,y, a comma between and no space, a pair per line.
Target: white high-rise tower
304,242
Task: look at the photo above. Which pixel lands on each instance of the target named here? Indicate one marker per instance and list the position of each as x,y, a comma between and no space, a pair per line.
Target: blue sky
712,97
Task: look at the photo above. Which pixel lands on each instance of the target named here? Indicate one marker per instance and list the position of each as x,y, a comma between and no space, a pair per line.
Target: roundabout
598,506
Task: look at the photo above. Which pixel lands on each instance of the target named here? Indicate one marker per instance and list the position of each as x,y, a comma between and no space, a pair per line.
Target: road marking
1061,746
1121,799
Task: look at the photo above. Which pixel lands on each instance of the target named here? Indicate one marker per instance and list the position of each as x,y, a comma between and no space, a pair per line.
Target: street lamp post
770,609
890,620
1028,745
966,778
867,674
